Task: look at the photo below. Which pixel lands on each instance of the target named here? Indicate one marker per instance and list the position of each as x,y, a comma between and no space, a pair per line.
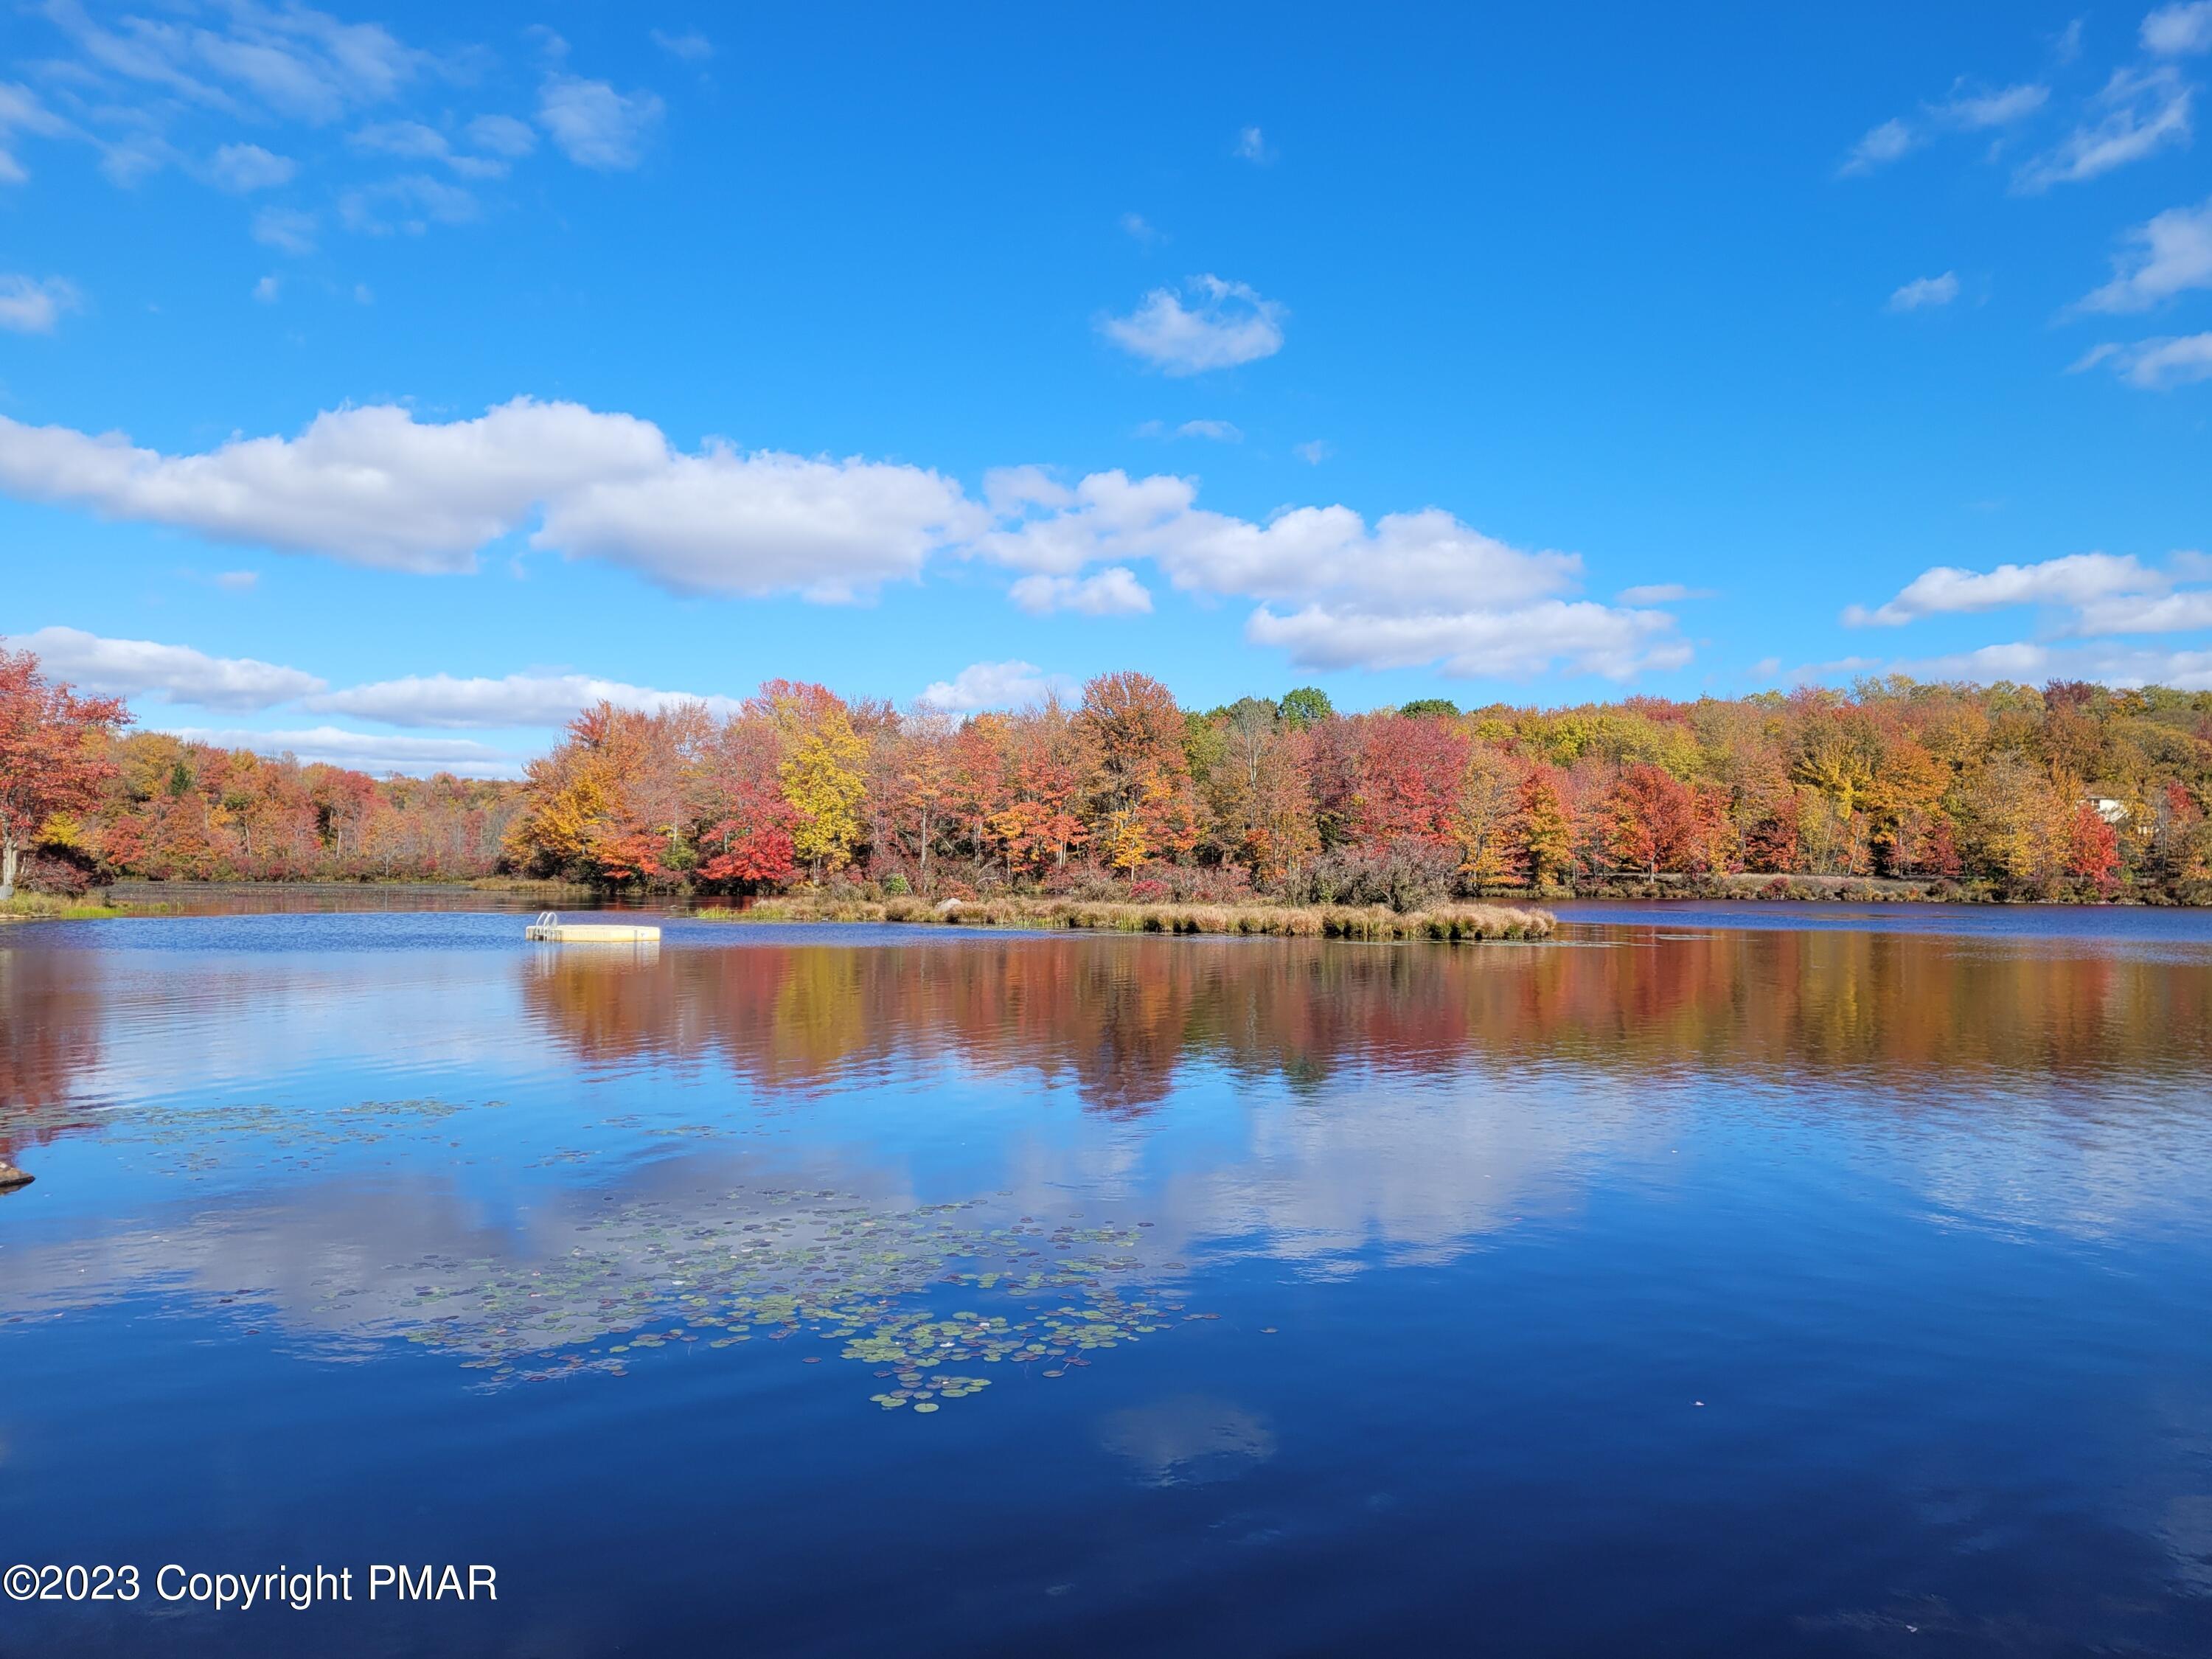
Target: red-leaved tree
53,754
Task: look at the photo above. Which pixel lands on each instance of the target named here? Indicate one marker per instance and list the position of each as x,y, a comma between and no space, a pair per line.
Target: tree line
2075,790
2004,791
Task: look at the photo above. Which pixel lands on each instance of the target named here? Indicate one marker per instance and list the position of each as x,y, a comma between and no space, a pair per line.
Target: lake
1749,1280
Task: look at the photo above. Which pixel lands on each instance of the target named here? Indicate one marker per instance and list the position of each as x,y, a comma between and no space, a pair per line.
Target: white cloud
1883,144
238,581
2108,664
725,522
1967,109
1663,593
2177,30
1224,432
2154,365
1115,591
691,45
1226,324
410,202
996,685
173,673
29,306
1977,112
2144,111
244,167
503,135
1252,146
2169,255
413,140
370,751
2075,579
1514,643
369,486
443,702
1417,587
1925,291
21,110
594,125
409,140
248,59
1314,452
286,229
266,290
374,486
1136,226
2168,613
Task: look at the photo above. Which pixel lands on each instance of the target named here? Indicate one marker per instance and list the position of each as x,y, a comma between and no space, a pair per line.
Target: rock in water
11,1177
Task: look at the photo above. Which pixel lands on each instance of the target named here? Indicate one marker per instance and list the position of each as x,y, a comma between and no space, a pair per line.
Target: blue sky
380,383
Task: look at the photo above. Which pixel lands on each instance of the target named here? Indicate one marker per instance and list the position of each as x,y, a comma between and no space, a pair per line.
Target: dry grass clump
1455,922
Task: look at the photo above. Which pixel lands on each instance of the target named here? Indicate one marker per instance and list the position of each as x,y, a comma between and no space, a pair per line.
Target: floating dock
551,929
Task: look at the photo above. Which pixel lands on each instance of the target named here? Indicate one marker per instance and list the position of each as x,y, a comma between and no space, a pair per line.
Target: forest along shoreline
1899,791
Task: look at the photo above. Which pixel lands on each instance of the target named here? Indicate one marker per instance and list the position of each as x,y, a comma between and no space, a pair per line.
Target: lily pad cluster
784,1266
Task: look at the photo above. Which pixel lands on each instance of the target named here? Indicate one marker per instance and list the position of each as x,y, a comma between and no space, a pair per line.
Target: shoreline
1455,923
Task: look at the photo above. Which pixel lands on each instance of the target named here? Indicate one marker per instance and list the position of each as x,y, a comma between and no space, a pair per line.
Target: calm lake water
1716,1281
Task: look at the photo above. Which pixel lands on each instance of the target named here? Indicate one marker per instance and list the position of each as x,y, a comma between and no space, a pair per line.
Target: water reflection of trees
1119,1017
50,1007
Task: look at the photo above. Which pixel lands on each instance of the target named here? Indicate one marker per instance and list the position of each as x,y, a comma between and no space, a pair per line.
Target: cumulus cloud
1115,591
1416,587
2075,579
2167,256
366,751
374,486
2108,664
29,305
1925,291
594,125
995,685
2154,365
245,167
1137,227
1517,642
1224,325
2142,111
171,673
2146,613
1314,452
1663,593
267,289
2176,30
442,701
1252,146
725,522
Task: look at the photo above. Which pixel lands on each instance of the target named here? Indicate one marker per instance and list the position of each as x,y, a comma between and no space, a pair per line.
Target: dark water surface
1717,1281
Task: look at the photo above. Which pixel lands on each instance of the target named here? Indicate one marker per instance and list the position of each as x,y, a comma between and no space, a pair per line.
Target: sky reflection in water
1690,1287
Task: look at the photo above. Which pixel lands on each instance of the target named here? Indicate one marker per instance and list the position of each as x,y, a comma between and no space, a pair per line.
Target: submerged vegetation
1373,922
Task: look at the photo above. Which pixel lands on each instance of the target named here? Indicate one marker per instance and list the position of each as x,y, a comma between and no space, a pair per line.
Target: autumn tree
53,755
